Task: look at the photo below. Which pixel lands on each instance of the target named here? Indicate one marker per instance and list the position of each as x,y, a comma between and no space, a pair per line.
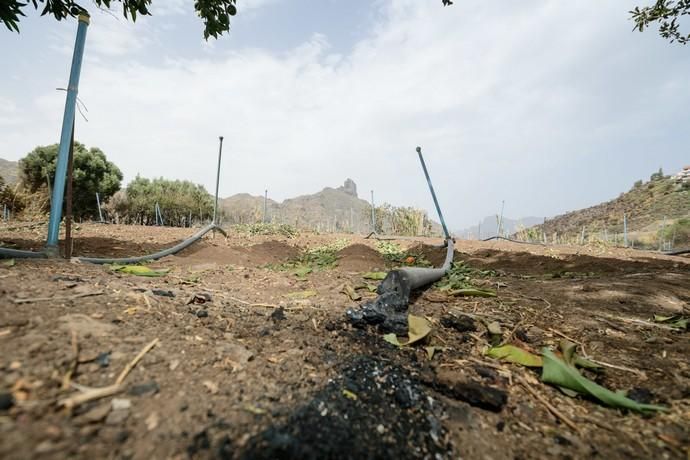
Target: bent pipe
512,240
157,255
677,253
6,253
389,310
19,254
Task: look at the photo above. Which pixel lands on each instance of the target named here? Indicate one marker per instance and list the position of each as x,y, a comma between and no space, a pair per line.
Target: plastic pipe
65,136
157,255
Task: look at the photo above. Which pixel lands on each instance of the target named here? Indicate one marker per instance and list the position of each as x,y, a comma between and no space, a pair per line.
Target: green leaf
350,292
392,339
472,292
513,354
8,263
302,271
139,270
557,372
301,294
374,275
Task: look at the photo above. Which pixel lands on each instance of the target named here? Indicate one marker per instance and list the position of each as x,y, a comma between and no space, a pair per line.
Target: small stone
202,314
121,436
174,364
103,359
95,415
152,421
14,365
121,404
381,429
278,314
211,386
162,293
116,417
6,401
144,389
460,323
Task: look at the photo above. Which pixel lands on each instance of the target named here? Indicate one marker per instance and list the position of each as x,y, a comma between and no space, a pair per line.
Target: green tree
215,13
667,14
181,202
93,173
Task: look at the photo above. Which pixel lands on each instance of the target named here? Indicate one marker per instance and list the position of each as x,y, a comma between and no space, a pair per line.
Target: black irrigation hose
16,253
680,252
512,240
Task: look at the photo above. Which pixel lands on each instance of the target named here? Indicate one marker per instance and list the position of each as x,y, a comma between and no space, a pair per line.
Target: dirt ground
254,361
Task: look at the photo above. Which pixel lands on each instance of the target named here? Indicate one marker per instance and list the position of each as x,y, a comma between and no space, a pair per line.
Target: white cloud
505,98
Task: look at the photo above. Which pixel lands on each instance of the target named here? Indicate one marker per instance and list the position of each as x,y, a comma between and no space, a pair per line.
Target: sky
551,106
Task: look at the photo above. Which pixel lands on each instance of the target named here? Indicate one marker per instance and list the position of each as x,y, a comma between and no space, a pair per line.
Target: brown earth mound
360,258
269,252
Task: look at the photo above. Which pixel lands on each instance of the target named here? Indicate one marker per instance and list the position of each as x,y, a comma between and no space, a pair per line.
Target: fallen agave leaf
418,329
677,321
513,354
350,292
557,372
139,270
301,294
350,395
431,351
374,276
254,410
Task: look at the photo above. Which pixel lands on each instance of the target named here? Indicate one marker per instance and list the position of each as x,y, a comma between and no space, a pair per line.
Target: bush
92,174
181,202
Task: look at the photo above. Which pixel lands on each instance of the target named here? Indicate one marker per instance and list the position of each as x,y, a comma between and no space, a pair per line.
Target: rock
144,389
235,353
121,404
6,401
162,293
212,387
349,187
473,393
460,323
103,359
116,417
95,415
278,314
85,325
641,395
202,314
152,421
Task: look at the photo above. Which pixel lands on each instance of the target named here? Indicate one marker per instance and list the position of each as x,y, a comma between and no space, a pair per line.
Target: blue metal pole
65,136
433,194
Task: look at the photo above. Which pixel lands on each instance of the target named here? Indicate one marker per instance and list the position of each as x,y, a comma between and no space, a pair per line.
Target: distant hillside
489,227
331,209
9,170
645,205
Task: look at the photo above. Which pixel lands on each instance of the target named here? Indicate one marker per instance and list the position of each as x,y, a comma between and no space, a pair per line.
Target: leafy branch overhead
667,13
214,13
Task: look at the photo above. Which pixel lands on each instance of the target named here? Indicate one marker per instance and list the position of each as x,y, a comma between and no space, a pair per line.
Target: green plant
93,173
267,229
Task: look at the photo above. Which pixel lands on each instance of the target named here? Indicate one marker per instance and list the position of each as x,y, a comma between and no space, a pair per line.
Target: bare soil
255,362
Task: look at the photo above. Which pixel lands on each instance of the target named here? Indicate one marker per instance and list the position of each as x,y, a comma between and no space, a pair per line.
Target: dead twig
560,415
636,321
66,380
48,299
117,387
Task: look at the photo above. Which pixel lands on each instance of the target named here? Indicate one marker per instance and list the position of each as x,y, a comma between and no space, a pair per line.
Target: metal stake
433,194
220,154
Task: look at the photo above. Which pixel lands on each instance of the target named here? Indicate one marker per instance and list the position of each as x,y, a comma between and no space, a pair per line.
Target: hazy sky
549,105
